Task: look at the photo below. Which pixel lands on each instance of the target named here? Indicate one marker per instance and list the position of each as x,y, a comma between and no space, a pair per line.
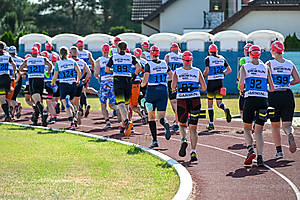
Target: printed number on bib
281,79
121,68
175,66
3,66
160,78
255,84
218,69
35,69
68,73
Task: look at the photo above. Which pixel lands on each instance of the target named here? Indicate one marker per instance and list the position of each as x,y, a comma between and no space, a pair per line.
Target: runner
106,91
243,60
216,67
49,90
86,73
121,64
54,58
69,78
156,72
146,52
5,81
283,98
48,48
174,60
187,80
36,68
88,58
16,107
114,48
28,98
136,84
254,80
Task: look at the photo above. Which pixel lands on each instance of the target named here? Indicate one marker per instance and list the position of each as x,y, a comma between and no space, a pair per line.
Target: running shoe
167,131
81,111
227,114
154,144
73,126
260,161
194,156
292,143
175,127
62,107
7,119
107,126
210,127
52,120
87,110
57,108
144,120
278,155
128,128
251,155
18,110
122,130
183,146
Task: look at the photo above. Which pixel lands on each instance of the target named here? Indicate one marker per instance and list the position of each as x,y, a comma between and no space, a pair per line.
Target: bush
116,30
292,43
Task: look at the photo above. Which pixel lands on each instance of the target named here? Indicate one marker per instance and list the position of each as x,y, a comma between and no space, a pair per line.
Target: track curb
186,184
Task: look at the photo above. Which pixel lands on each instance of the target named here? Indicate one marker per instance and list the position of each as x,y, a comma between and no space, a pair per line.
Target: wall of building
285,22
183,15
146,30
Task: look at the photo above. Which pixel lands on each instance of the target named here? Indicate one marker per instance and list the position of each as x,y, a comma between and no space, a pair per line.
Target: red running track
219,172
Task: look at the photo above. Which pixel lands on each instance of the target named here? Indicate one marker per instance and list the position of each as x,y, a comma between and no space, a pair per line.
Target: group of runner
142,83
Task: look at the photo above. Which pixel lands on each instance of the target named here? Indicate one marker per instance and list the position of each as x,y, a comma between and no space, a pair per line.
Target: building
279,15
182,16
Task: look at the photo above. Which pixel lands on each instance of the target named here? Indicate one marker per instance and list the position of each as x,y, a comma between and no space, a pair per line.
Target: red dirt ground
219,172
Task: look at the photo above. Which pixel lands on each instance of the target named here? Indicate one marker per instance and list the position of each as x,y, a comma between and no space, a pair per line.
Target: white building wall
183,14
285,22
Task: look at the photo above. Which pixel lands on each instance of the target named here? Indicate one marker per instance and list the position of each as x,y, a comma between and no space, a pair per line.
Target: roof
246,9
142,8
274,2
146,10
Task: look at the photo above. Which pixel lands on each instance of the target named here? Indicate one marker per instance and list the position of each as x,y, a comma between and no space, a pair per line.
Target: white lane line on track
291,184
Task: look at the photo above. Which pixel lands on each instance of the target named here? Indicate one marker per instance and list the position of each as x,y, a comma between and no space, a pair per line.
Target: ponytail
63,53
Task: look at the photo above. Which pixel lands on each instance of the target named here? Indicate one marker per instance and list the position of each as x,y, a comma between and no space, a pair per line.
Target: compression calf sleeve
211,114
259,143
248,137
152,126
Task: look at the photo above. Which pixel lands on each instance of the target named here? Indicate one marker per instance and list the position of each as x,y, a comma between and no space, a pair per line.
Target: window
217,5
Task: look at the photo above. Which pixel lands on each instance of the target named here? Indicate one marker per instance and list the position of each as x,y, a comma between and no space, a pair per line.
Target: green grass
231,102
42,164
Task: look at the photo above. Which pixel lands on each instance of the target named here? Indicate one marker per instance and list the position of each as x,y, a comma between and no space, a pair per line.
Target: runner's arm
146,75
228,68
270,81
55,75
206,70
23,65
92,61
167,59
88,73
50,66
109,65
202,81
242,79
97,68
174,81
295,76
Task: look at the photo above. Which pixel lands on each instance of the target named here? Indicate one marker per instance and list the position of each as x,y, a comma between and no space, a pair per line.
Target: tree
8,38
292,43
119,29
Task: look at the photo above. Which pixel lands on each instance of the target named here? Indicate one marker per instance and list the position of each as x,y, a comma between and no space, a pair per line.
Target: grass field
42,164
231,102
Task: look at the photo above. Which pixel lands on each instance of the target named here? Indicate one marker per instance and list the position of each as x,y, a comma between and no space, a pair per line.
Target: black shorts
184,108
158,96
48,89
4,84
251,107
17,89
122,89
213,88
78,90
172,95
241,102
57,93
36,86
67,89
284,104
